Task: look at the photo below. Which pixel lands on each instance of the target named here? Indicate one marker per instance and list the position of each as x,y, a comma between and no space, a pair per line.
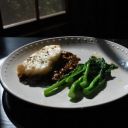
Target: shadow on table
25,115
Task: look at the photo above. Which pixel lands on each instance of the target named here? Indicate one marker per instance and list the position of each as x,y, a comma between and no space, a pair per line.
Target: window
16,12
47,7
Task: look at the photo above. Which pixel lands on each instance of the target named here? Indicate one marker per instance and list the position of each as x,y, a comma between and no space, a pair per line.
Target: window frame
36,24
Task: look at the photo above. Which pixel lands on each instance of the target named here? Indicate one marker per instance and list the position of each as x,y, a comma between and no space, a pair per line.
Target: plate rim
42,105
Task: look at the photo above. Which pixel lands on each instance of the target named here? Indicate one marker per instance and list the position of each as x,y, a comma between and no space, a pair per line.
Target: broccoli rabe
86,79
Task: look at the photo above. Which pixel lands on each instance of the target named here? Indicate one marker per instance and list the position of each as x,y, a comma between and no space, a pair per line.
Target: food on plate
63,69
85,80
40,62
49,61
62,83
67,62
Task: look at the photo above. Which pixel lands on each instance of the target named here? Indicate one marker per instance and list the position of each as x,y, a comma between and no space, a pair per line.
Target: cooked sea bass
40,62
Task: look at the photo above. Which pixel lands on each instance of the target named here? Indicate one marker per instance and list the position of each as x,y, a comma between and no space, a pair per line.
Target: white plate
83,47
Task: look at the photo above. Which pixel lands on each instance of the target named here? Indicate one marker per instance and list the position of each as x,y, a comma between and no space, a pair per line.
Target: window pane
14,11
47,7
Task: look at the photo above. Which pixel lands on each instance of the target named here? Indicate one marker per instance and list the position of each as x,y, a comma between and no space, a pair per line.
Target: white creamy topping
44,58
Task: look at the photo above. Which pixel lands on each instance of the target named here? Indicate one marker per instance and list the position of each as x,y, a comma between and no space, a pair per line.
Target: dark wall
100,17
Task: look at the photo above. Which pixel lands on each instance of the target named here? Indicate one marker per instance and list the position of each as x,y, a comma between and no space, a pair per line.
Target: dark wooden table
23,114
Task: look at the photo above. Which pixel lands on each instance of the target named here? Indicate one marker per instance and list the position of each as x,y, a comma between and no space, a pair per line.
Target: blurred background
64,17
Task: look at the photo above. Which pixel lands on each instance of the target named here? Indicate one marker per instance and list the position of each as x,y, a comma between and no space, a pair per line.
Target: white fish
40,62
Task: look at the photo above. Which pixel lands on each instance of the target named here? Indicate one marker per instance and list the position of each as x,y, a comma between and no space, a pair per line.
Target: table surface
9,44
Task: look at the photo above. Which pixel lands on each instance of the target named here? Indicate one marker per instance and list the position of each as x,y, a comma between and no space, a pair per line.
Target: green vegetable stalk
100,80
59,85
89,90
73,92
95,87
55,88
82,81
75,74
85,80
